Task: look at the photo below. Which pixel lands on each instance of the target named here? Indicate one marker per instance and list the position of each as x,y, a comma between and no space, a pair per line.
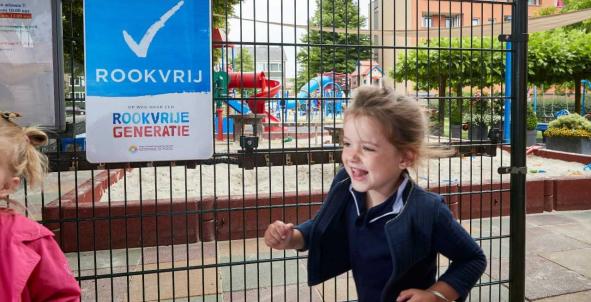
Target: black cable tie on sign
512,170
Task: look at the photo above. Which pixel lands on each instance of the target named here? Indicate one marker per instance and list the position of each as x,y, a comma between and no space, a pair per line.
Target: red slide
257,103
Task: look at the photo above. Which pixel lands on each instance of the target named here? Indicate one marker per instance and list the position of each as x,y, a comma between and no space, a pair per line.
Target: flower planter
531,137
478,132
569,144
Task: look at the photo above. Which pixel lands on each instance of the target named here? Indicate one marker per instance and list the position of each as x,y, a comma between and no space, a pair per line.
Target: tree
330,51
222,9
548,57
560,56
548,11
73,36
243,61
451,63
554,57
575,5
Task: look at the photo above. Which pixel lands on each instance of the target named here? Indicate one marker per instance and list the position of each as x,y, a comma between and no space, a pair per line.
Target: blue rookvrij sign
148,80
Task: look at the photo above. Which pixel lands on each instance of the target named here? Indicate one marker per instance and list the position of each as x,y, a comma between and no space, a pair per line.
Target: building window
261,66
78,82
275,67
491,20
427,22
475,21
506,18
455,21
533,2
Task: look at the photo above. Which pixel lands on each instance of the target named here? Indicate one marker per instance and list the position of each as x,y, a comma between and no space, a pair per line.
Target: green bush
456,112
572,125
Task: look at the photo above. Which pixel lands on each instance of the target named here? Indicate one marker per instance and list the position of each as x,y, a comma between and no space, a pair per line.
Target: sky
298,10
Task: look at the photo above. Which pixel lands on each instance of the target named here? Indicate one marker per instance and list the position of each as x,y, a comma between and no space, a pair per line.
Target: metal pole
584,84
518,164
508,93
535,98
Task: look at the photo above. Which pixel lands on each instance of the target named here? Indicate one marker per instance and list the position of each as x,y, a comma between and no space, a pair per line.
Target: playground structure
585,85
543,125
257,104
321,93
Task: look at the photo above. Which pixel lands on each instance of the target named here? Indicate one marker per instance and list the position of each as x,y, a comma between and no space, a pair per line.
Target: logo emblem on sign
141,49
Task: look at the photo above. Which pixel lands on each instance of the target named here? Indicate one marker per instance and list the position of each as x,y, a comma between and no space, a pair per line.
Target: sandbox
179,205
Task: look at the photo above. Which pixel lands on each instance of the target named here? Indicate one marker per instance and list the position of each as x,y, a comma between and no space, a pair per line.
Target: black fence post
518,117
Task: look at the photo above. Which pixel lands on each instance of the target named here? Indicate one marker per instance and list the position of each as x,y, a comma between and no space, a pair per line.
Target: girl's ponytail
18,149
35,161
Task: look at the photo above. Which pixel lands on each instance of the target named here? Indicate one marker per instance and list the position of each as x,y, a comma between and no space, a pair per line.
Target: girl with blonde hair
33,268
376,221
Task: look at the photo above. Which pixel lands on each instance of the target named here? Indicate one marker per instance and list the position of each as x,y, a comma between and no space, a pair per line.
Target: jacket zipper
403,208
394,219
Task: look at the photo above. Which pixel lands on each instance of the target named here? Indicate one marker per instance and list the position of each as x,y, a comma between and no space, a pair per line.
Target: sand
223,180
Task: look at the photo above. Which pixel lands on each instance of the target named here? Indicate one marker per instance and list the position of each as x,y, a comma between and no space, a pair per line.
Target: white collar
398,202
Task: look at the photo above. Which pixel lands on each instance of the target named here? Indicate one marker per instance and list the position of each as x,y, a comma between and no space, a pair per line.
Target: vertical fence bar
518,118
508,78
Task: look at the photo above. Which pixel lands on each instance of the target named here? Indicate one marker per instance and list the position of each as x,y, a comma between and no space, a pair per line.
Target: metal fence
192,230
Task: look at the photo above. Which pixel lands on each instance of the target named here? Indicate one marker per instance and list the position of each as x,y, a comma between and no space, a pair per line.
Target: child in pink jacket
32,266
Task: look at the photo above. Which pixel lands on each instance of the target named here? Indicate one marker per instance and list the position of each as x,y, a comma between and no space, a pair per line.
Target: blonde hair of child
18,148
404,121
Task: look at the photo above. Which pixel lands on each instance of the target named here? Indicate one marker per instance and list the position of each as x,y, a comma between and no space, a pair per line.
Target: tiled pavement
558,268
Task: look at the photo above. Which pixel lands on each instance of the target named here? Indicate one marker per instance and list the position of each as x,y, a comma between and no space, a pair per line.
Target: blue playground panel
561,113
227,123
240,107
319,84
542,127
79,141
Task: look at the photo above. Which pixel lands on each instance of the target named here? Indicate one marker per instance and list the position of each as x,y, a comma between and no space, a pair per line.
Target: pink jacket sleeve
51,280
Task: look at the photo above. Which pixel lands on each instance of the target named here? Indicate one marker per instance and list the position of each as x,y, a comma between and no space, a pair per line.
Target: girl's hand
416,295
279,235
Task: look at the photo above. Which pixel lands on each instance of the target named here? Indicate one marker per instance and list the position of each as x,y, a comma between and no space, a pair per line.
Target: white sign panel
27,59
148,80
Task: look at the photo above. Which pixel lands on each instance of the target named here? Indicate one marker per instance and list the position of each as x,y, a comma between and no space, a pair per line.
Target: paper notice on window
26,60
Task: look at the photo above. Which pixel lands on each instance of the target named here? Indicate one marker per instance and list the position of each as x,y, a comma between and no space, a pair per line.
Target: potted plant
480,115
569,133
532,123
478,125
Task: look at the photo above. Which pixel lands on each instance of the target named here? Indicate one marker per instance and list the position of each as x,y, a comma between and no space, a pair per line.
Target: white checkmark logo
141,49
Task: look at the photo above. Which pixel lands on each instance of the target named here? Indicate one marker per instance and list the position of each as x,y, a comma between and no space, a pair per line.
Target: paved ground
558,268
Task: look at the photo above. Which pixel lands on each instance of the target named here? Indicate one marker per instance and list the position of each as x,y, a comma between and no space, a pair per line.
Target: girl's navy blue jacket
423,228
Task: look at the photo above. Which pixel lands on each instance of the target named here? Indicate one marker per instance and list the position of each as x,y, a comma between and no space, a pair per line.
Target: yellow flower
565,132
